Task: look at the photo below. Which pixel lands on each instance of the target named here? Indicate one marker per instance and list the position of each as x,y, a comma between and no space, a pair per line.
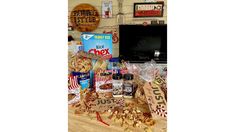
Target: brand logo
99,52
87,36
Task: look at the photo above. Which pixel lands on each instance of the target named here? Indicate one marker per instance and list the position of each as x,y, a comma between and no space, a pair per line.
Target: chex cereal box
99,44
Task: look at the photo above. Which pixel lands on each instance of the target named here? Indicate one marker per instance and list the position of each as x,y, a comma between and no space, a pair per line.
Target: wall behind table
111,23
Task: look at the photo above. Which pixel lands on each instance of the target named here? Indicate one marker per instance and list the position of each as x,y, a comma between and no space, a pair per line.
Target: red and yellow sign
85,18
148,9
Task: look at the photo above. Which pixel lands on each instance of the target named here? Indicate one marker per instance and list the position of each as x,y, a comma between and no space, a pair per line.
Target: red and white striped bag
73,88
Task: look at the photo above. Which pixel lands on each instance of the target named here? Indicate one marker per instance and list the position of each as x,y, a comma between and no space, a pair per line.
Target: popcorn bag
73,90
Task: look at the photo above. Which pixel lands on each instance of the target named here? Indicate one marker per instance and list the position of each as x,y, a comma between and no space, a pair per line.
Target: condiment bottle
117,85
128,87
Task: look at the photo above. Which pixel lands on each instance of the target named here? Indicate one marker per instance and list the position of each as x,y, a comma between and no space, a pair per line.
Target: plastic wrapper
103,81
83,79
147,71
73,90
99,64
133,68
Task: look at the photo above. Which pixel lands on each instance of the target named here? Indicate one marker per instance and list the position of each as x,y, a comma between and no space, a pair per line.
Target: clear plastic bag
147,71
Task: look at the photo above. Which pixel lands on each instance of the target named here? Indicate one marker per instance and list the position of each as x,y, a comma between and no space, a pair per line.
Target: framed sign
107,9
148,9
85,18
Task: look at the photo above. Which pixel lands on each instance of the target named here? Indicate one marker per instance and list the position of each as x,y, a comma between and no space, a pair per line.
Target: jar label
128,89
117,88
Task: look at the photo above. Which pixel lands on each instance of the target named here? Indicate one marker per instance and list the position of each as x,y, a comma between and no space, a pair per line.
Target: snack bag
83,79
103,81
99,44
155,97
73,90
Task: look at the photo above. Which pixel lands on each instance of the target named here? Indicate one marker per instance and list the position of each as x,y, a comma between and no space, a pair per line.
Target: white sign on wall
107,9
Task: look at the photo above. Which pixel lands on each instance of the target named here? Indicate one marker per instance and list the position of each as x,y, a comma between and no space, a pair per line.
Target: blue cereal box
99,44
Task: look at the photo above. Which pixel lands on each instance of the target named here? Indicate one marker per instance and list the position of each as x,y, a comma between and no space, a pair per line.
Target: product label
99,44
108,104
117,88
83,79
85,84
103,81
73,89
128,89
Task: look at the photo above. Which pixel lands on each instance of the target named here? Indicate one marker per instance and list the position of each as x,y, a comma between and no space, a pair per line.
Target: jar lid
128,76
117,76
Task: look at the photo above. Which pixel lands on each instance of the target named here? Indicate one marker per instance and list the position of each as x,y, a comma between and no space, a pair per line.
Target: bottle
117,85
128,87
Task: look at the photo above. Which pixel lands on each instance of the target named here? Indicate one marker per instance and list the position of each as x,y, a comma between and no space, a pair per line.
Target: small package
103,81
73,90
83,79
114,65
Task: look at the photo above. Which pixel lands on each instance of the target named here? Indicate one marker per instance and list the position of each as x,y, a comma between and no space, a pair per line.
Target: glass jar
128,87
117,85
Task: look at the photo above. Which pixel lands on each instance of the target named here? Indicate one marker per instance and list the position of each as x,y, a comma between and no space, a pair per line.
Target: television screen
140,43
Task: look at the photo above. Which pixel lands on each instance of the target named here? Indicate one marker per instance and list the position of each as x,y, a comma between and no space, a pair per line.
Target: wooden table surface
85,123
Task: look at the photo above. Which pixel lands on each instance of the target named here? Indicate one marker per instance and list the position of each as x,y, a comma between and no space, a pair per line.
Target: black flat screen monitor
139,43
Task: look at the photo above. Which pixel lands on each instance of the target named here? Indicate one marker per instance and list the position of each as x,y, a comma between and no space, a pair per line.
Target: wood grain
85,123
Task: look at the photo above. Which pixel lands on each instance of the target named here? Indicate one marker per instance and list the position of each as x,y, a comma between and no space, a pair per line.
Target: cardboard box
99,44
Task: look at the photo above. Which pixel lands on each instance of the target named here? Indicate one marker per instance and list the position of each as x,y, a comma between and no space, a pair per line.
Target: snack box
99,44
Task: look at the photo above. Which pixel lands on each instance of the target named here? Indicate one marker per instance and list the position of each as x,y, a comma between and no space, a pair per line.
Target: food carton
99,44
